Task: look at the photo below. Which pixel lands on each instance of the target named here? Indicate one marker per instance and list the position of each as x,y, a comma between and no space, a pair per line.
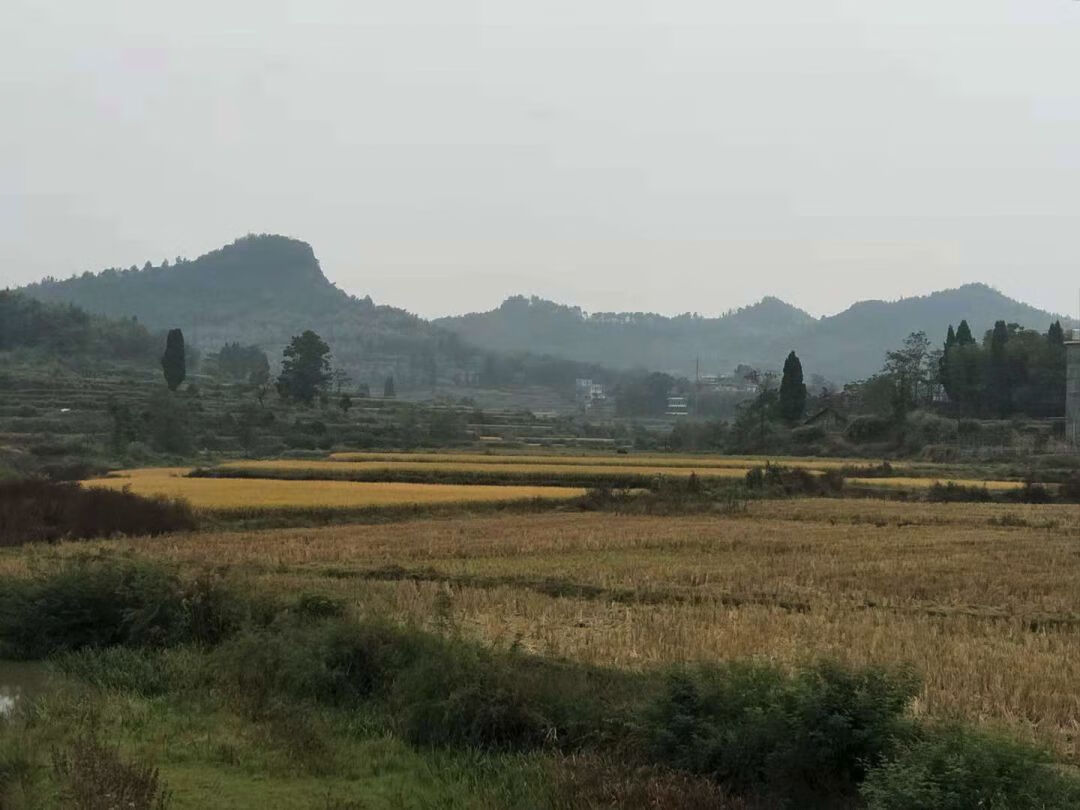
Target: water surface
19,682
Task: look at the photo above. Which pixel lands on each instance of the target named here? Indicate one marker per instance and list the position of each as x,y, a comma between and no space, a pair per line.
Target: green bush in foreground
806,738
94,603
752,726
954,769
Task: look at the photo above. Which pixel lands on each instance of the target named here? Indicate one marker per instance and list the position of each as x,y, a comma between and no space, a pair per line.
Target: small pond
18,682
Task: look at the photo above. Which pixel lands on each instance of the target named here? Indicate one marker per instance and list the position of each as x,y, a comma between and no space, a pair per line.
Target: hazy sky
669,155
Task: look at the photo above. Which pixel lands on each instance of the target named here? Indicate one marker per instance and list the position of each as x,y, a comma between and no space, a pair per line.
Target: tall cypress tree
172,362
1055,334
792,390
1000,394
963,334
944,377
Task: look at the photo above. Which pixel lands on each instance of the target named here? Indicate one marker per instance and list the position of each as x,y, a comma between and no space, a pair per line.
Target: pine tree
943,376
1055,334
388,388
1000,394
792,390
963,334
305,368
172,362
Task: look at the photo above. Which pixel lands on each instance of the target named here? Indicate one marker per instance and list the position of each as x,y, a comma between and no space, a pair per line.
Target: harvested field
987,611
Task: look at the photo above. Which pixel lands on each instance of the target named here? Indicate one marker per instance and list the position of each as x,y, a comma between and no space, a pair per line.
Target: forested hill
262,290
847,346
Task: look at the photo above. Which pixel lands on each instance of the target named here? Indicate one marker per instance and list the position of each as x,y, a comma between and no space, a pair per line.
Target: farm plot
580,471
258,493
986,612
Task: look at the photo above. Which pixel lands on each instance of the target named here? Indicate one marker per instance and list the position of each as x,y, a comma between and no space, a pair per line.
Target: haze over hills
264,289
849,345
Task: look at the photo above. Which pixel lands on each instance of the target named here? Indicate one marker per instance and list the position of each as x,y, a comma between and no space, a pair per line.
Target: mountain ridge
848,345
263,288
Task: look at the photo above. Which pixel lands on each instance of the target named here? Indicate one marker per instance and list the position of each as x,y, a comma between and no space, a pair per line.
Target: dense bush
442,692
32,511
752,726
868,428
1070,489
952,492
774,479
922,428
808,433
958,770
100,604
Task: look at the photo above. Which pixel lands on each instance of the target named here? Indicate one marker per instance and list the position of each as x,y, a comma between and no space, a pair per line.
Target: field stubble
988,612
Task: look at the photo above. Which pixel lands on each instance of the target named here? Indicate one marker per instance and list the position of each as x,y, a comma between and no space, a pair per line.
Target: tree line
1011,371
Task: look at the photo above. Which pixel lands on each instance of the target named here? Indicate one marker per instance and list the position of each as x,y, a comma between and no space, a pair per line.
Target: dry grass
903,482
242,493
987,609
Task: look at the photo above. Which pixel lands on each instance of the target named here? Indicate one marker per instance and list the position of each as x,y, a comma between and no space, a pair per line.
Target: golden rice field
242,493
577,466
697,462
983,600
904,482
509,470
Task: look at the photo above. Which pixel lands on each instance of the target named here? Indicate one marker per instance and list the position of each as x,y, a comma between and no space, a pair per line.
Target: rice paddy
572,470
509,471
259,493
697,462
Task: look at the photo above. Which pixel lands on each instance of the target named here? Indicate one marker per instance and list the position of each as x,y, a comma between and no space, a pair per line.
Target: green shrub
808,433
317,606
467,696
753,727
334,662
958,493
958,770
868,428
922,428
93,603
775,479
1070,489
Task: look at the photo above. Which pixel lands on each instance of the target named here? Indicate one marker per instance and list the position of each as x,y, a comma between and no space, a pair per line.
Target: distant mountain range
264,289
847,346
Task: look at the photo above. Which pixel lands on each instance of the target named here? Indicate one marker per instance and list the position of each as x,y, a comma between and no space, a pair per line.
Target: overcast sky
666,155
